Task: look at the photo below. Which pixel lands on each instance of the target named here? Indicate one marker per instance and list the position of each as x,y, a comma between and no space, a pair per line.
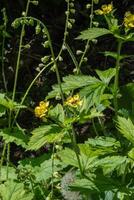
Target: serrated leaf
70,83
36,161
110,164
93,33
106,75
131,153
12,190
14,135
47,168
93,92
115,55
97,185
57,113
68,156
11,173
8,103
45,134
103,142
126,128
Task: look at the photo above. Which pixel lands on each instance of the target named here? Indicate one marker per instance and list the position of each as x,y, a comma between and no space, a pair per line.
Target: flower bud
37,29
35,3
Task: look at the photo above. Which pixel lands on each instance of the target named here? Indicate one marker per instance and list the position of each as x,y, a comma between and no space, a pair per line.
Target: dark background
51,12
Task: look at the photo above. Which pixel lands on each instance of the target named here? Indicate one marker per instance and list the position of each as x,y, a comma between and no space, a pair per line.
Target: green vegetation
79,142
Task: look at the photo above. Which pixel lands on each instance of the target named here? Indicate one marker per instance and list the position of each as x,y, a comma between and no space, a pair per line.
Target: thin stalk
8,160
65,30
87,44
18,61
102,126
15,82
3,49
95,130
32,83
76,149
116,80
19,52
2,158
28,89
52,177
56,66
73,57
52,53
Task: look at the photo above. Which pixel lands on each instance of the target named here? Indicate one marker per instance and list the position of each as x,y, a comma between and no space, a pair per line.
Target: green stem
73,58
32,83
52,177
19,52
76,149
55,65
3,49
116,80
15,81
94,127
2,158
88,41
8,160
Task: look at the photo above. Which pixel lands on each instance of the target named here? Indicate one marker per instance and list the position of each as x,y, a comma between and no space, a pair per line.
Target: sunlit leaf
14,135
45,134
12,190
126,128
93,33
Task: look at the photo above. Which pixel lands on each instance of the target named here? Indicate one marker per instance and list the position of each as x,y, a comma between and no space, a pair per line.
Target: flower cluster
41,110
73,101
129,20
105,9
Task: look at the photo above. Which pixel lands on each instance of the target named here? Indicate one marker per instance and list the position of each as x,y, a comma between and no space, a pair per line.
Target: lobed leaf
126,128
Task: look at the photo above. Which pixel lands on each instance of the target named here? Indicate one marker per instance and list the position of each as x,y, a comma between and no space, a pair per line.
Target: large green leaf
126,128
11,173
15,135
110,164
93,92
47,168
99,146
12,190
72,82
106,75
103,142
93,33
97,185
45,134
68,156
57,113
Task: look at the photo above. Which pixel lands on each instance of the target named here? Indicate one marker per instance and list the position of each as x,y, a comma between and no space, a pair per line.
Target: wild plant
100,167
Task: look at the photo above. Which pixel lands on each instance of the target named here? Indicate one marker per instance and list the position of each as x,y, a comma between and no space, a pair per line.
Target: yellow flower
129,20
41,110
73,101
105,9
